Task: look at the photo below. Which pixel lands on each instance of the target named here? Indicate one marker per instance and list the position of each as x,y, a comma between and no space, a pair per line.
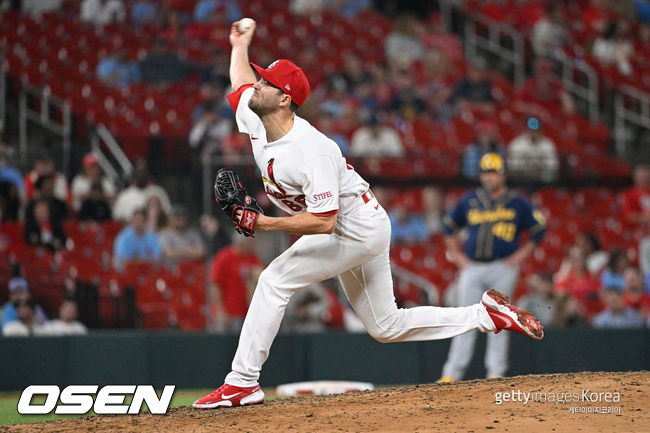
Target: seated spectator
26,324
12,188
486,141
67,323
211,127
590,247
551,33
634,295
540,299
596,16
308,310
474,92
135,243
407,103
543,93
144,12
178,242
532,156
568,313
614,48
433,209
374,140
44,166
403,46
137,194
205,9
612,276
327,126
636,200
41,229
157,218
9,232
19,292
233,276
162,66
116,70
214,235
616,314
405,226
45,191
578,282
92,192
102,12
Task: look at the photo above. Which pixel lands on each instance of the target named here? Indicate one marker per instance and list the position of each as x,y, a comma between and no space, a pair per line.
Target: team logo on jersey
280,193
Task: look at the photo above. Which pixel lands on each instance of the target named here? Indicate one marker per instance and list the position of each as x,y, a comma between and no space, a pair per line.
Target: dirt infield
463,407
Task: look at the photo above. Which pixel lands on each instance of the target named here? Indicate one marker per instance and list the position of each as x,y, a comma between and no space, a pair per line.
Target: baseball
245,24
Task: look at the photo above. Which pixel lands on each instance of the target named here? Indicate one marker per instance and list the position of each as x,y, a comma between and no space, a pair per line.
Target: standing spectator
67,323
616,315
93,187
433,209
233,275
135,243
19,292
137,194
485,141
41,229
116,70
541,298
102,12
44,166
375,141
492,255
613,47
26,324
178,242
532,156
634,296
550,34
406,227
636,200
12,189
612,276
578,282
474,92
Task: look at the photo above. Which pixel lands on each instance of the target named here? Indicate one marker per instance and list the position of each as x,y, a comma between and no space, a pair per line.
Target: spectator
540,299
486,141
156,216
137,195
67,323
614,48
144,12
568,313
634,296
532,156
307,310
578,282
41,229
374,140
9,230
12,189
26,324
178,242
233,275
349,8
213,234
306,7
102,12
550,34
596,16
205,10
19,292
327,126
403,46
407,103
636,200
44,166
405,226
135,243
474,92
84,183
542,94
590,247
433,209
45,191
116,70
162,66
616,315
210,127
612,277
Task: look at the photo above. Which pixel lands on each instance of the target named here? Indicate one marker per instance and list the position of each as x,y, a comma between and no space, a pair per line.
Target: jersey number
505,231
297,205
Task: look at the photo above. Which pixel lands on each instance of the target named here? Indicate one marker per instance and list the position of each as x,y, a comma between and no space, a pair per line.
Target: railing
632,106
3,93
115,163
47,104
575,71
429,289
494,44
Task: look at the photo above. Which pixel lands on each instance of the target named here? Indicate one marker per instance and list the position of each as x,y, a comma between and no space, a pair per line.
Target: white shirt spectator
530,158
547,37
81,186
376,141
60,328
19,329
133,198
101,12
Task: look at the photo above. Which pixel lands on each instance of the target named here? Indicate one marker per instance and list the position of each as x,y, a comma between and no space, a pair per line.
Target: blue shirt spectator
116,71
612,276
144,11
19,292
204,10
617,315
135,243
485,141
405,227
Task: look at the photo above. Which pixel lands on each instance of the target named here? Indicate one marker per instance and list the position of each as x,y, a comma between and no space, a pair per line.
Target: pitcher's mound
581,402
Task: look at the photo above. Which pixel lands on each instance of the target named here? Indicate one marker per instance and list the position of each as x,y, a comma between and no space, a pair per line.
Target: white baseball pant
358,253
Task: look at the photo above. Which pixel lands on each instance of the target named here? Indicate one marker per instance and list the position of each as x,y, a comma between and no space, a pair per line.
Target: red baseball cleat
229,396
508,316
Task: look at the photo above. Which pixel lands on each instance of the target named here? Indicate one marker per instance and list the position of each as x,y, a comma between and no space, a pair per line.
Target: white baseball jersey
302,171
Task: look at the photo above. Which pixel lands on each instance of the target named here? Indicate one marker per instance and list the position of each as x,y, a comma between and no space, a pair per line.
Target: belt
367,196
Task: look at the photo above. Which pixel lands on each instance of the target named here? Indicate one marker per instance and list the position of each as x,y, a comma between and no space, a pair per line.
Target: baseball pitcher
495,218
345,231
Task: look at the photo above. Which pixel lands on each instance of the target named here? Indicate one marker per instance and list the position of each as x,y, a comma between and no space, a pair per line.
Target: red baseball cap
89,160
285,75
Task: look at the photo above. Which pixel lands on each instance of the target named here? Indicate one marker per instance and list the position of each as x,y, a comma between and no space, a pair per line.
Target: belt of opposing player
367,196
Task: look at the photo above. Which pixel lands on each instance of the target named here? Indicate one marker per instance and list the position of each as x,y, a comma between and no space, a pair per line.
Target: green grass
10,415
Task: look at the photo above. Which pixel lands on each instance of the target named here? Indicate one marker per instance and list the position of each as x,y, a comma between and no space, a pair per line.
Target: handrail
589,92
116,150
622,114
430,289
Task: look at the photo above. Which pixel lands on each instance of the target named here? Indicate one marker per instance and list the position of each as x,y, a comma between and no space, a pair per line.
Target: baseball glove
232,197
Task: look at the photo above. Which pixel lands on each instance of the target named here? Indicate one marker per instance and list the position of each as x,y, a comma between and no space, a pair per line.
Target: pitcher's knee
383,335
